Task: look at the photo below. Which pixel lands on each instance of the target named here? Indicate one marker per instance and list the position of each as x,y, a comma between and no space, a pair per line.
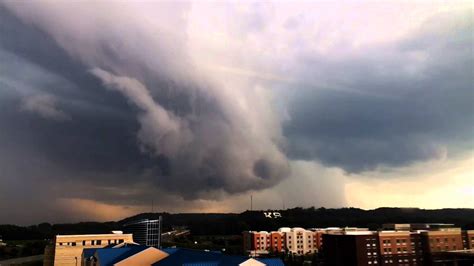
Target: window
99,242
73,244
83,242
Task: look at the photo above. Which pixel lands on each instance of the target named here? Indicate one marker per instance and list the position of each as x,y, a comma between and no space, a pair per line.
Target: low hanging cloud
45,106
160,129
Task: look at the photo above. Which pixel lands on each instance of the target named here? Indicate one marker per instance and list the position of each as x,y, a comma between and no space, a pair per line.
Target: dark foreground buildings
432,245
145,232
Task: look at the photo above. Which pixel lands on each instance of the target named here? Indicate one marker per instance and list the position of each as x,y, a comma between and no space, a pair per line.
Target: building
417,226
351,248
147,256
263,242
400,247
67,249
468,239
456,258
300,241
404,244
129,255
145,232
296,240
439,241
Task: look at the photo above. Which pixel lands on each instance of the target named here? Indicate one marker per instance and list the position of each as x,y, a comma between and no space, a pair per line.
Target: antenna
152,205
251,202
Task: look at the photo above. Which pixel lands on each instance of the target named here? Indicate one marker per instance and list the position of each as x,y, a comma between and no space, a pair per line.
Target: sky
108,106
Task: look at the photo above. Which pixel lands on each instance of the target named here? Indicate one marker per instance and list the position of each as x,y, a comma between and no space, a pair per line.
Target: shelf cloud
199,103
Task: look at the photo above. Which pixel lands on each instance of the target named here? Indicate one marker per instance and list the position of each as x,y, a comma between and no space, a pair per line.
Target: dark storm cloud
398,104
106,133
115,107
100,123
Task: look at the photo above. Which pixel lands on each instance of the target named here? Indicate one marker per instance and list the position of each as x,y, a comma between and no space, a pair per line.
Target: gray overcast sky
105,106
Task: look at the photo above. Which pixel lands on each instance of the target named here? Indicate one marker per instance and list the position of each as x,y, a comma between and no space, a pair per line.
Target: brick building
351,248
400,248
401,244
296,240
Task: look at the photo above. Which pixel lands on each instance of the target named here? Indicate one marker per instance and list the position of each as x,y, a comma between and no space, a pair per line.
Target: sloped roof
272,262
189,257
88,252
109,256
176,257
146,257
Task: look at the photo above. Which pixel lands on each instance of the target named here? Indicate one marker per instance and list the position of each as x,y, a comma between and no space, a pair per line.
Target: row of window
439,248
439,240
91,242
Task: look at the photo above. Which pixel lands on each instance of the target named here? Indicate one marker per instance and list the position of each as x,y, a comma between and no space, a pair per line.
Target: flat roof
93,235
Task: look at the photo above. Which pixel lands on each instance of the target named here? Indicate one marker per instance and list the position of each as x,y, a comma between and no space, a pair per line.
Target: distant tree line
233,223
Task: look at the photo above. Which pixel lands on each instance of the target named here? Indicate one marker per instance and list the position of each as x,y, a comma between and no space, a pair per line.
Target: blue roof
189,257
272,262
88,252
177,257
109,256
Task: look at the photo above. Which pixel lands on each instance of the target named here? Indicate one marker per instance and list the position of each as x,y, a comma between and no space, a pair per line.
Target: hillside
233,223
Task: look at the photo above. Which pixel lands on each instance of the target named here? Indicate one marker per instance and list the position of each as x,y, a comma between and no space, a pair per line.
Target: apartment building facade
400,248
296,240
420,247
401,244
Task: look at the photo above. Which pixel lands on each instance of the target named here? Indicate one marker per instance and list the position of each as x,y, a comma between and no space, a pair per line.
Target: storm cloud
407,101
175,102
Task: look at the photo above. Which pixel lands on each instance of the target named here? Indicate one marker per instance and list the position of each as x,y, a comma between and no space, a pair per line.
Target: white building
299,240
